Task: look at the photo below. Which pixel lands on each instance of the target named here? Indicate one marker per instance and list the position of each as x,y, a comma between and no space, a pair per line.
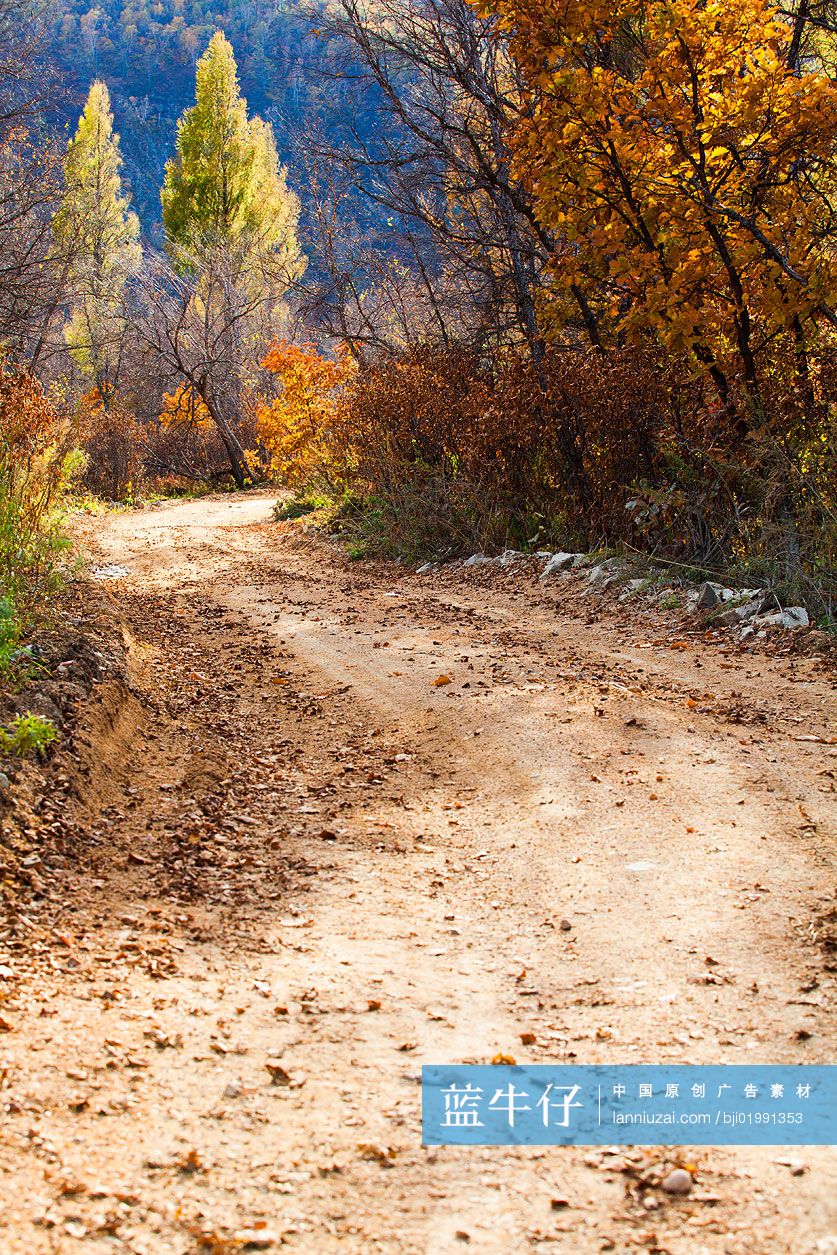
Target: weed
28,734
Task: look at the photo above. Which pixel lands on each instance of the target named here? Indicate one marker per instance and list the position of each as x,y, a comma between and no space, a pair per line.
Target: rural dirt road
294,849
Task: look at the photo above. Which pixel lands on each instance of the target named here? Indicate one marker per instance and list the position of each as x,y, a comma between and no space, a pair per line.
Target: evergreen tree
225,187
97,233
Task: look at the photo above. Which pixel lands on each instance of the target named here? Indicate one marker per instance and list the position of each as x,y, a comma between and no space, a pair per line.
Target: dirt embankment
291,856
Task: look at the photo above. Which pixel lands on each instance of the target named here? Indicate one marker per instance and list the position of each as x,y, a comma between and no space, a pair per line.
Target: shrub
114,445
296,428
183,445
439,451
36,460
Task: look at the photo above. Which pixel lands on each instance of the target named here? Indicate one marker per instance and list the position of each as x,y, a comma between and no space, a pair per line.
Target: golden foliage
686,168
34,449
296,427
185,407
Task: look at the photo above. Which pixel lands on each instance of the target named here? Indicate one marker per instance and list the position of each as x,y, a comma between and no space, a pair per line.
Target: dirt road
296,849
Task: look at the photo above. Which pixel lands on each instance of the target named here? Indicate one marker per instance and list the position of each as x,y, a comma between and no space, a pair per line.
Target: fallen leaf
278,1074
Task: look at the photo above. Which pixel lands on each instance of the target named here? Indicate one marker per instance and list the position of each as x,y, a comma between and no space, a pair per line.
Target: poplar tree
230,222
98,233
225,188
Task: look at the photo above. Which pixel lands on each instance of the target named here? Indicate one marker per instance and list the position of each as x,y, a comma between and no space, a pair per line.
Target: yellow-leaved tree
683,155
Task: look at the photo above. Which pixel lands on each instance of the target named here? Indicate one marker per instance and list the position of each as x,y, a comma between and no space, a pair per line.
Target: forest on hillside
147,55
456,276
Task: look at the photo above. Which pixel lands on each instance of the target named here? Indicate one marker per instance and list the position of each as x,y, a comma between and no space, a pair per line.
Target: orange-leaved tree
295,427
686,165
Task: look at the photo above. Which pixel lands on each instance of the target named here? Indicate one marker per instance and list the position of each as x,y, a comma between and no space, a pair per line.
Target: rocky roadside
754,616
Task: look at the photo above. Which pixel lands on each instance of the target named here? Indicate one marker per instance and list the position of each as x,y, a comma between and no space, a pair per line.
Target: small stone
256,1239
565,926
5,782
678,1182
477,559
798,1167
278,1075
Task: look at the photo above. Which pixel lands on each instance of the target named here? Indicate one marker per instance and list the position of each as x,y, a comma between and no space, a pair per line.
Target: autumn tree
231,232
685,162
452,250
95,226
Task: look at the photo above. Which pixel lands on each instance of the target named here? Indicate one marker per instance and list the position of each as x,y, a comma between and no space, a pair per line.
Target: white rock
557,563
749,593
477,559
632,587
508,556
428,566
791,617
737,614
795,616
605,573
678,1182
749,610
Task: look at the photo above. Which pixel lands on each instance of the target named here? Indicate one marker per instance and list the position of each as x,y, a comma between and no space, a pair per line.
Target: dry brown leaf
278,1074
